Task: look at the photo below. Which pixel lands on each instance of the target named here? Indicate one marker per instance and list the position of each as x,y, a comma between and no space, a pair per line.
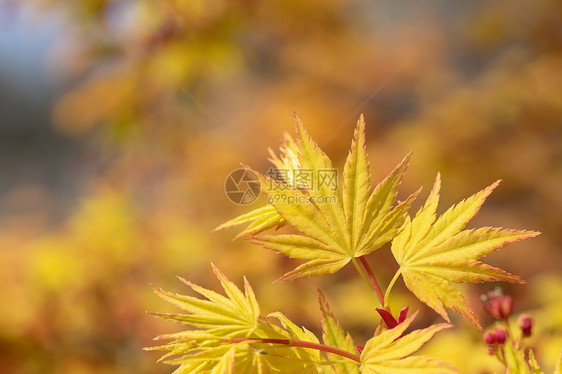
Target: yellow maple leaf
434,253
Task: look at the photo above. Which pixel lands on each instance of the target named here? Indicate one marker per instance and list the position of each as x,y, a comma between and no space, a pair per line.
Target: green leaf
434,253
336,223
388,352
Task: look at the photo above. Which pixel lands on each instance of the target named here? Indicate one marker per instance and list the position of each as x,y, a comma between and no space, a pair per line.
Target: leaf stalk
389,288
300,344
367,279
372,279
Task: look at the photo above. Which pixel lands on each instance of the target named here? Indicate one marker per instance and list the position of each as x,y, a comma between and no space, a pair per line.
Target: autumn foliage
337,224
155,103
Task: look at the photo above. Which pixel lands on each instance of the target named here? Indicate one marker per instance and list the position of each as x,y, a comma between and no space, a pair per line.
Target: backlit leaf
435,252
337,222
388,352
227,334
534,364
259,220
334,336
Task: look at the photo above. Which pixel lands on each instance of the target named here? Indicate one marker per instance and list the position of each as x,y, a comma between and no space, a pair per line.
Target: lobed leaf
259,220
305,355
334,336
229,332
336,223
435,252
389,352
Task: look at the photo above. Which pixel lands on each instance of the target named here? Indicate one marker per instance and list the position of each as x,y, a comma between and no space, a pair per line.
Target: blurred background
120,121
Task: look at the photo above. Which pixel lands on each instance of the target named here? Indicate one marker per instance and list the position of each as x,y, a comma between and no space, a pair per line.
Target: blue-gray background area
36,162
45,167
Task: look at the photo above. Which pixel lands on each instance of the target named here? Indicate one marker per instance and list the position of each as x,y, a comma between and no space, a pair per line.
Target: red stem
301,344
372,278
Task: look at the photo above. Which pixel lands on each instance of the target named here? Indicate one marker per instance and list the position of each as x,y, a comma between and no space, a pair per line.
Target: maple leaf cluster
337,225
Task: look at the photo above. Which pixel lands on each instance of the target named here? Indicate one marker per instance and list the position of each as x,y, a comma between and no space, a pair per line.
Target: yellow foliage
473,89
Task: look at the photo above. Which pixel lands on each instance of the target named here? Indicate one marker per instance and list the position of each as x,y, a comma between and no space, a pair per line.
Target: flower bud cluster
494,339
526,325
497,304
500,306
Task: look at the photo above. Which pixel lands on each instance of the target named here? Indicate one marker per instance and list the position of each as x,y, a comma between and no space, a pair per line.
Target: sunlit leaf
337,222
515,360
334,336
388,352
434,253
259,220
300,333
533,363
228,334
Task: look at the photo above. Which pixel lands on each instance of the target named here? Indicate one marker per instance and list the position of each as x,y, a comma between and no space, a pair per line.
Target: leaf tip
290,276
360,129
408,157
299,125
322,301
184,281
492,187
157,290
438,179
532,234
278,280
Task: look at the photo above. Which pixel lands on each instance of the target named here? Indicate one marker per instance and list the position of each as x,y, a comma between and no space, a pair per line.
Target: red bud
526,325
498,336
501,335
497,305
490,338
